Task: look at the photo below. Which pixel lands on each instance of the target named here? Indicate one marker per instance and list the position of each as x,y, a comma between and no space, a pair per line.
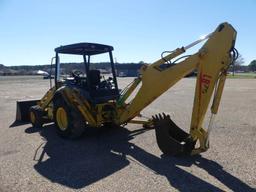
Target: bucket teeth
159,117
170,138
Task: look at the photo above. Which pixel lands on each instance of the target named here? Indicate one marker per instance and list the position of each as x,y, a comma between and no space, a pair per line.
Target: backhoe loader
87,99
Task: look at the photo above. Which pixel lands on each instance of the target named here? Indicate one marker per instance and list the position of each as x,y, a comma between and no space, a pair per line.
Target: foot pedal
171,139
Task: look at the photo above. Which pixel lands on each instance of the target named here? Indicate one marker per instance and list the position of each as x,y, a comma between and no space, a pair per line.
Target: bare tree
238,62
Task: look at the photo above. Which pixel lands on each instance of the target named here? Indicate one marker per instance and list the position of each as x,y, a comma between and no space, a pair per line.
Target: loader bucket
22,110
170,138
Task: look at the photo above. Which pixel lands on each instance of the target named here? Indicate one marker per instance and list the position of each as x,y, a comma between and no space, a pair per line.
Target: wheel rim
62,120
32,117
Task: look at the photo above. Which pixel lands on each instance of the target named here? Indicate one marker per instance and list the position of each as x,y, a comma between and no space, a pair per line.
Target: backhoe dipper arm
211,63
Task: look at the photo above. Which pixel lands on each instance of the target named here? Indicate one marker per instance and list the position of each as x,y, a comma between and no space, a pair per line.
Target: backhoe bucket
170,138
22,110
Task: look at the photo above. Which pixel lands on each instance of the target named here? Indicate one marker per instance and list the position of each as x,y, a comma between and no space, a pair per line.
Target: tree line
32,69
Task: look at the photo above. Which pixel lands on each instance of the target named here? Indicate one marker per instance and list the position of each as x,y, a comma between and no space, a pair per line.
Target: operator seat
99,95
94,78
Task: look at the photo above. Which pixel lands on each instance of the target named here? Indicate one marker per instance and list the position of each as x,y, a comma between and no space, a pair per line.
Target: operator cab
93,85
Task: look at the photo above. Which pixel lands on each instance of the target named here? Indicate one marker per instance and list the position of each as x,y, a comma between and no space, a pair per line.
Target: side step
171,139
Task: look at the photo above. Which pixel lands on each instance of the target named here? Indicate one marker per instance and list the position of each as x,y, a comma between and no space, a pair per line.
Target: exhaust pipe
22,110
171,139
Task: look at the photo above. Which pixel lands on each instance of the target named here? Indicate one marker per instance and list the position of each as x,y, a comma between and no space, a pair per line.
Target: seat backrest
94,76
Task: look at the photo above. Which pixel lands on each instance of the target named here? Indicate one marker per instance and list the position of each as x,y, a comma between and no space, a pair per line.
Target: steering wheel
76,73
77,76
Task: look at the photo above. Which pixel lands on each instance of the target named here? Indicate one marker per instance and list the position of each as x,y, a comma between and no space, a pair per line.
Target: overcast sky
139,30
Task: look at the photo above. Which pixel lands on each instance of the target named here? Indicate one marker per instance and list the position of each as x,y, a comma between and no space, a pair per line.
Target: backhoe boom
211,63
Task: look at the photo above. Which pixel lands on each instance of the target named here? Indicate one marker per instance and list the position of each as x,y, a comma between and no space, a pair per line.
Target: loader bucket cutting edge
171,139
22,110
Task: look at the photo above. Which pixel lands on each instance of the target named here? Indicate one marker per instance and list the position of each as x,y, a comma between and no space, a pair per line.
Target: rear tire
36,116
69,123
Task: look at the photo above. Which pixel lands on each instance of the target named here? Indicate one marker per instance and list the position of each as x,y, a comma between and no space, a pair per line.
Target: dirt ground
129,159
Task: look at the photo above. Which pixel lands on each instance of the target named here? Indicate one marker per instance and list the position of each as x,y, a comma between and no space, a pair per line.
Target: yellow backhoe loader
86,98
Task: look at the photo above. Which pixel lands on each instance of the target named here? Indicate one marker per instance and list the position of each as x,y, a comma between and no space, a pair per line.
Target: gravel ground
128,159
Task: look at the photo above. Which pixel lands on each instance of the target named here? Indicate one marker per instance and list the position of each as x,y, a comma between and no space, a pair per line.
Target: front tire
36,116
68,123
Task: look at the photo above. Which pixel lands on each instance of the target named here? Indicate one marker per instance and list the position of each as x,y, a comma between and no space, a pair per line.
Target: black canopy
84,49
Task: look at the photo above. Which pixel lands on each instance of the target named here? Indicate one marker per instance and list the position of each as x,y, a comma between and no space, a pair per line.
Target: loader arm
211,63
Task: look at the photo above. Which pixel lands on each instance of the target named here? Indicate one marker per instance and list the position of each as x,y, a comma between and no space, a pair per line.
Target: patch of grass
242,76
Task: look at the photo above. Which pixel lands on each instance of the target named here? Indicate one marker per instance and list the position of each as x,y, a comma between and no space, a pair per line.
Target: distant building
127,70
